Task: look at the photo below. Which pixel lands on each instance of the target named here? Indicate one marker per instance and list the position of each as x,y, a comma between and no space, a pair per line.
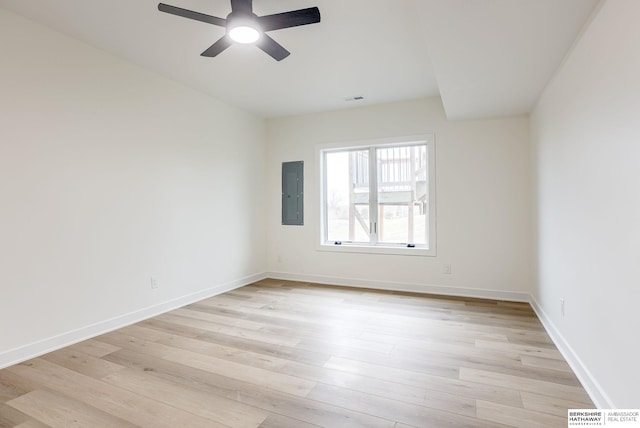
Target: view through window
378,195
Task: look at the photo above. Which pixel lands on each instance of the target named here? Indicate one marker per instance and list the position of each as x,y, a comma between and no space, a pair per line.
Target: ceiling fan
244,26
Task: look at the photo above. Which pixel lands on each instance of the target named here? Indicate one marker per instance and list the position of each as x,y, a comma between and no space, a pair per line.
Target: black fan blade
273,48
289,19
173,10
218,47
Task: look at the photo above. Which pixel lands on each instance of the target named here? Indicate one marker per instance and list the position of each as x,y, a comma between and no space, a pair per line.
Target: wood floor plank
31,423
269,310
82,363
94,348
546,363
221,411
13,386
286,354
398,411
415,395
343,343
258,376
170,327
229,301
251,291
507,364
116,401
125,341
549,405
522,349
230,353
220,319
386,389
309,356
59,411
435,333
516,417
10,416
526,385
232,331
313,411
280,421
413,362
145,333
428,382
264,316
278,403
184,376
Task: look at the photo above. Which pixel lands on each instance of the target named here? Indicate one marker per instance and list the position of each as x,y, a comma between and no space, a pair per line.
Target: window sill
378,249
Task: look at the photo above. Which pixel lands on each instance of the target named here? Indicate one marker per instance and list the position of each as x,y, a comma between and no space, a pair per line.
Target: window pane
402,194
347,197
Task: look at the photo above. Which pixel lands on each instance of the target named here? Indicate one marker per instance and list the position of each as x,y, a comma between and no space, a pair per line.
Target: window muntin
379,196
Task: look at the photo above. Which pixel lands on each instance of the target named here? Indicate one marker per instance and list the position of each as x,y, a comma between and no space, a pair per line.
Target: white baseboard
32,350
589,382
443,290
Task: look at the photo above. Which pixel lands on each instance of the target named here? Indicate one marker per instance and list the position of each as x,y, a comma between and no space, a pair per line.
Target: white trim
398,250
443,290
589,382
35,349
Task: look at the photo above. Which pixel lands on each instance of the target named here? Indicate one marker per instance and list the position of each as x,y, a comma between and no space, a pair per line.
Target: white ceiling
494,57
484,57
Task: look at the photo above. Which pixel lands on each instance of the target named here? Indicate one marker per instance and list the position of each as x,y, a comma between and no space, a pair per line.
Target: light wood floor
279,354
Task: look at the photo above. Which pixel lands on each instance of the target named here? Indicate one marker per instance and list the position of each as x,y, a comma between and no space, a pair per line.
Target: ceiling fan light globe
244,34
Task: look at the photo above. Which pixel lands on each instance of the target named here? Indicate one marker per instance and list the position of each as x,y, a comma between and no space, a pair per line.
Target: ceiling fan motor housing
241,19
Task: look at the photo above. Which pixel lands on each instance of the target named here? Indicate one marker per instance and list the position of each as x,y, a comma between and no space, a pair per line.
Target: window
379,197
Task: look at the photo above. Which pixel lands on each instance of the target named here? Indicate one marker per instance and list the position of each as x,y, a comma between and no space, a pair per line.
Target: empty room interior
379,214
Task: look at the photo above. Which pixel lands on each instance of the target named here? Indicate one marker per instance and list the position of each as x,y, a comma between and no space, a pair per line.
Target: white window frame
429,249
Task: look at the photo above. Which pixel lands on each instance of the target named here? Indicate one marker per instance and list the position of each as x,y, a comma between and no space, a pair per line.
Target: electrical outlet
562,307
446,269
154,283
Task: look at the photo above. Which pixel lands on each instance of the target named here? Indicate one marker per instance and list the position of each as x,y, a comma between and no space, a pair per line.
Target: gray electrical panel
292,193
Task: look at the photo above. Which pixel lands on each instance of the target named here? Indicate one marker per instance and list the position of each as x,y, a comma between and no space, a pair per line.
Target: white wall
110,174
483,201
586,141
